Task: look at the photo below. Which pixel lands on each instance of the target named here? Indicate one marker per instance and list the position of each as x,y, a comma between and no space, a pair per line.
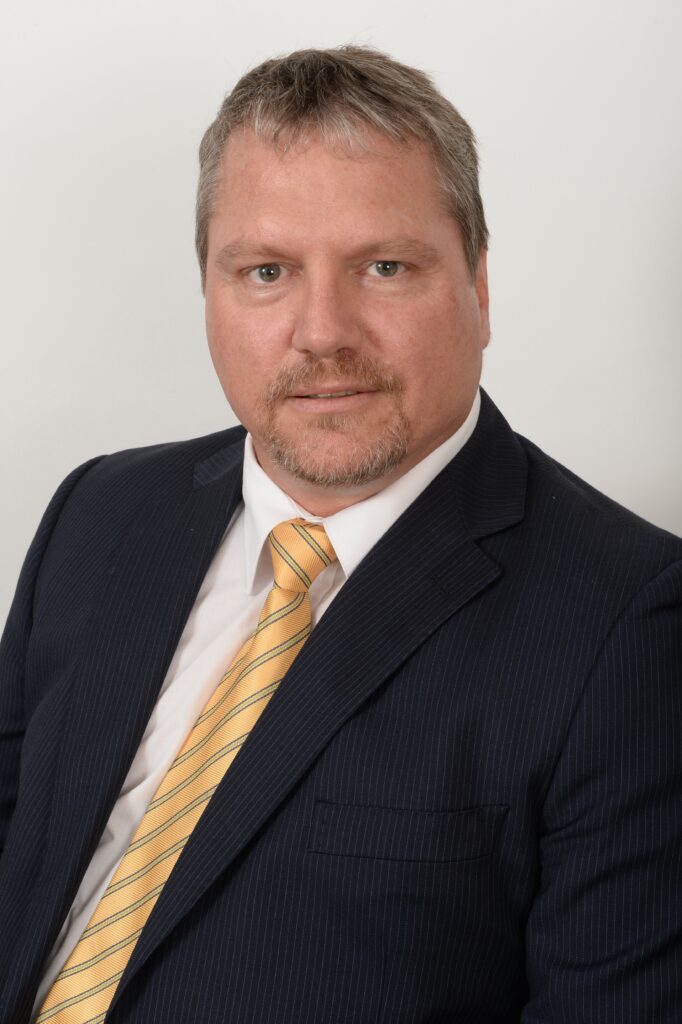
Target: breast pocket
396,833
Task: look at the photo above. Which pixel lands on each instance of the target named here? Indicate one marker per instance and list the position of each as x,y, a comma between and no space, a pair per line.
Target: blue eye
387,268
268,272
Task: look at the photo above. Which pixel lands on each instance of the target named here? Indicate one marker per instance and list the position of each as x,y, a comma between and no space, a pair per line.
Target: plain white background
576,108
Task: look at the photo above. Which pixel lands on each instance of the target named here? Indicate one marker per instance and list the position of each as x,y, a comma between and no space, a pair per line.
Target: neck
326,501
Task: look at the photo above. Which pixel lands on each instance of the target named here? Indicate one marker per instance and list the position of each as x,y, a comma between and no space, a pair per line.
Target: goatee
367,458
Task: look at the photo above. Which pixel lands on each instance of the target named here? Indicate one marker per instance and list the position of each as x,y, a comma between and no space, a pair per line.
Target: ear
481,286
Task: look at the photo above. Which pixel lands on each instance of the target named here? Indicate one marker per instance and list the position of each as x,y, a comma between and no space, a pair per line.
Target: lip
341,403
330,389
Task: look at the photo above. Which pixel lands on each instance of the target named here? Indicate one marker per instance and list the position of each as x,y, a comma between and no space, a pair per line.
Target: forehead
373,176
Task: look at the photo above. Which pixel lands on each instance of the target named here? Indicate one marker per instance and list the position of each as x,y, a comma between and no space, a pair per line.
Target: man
371,713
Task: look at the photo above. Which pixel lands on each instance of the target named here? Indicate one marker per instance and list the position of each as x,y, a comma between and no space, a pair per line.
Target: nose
326,318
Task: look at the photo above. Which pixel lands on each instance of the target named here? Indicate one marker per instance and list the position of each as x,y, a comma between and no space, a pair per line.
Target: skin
329,271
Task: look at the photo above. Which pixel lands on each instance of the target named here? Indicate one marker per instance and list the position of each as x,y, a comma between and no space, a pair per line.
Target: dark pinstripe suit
463,804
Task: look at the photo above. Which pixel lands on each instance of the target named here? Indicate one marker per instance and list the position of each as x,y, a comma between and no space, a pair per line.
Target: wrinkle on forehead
369,145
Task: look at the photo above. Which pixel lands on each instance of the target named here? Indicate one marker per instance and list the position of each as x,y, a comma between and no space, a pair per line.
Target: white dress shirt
225,613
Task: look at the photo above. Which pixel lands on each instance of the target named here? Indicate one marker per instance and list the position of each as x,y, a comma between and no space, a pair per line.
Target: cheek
231,345
436,360
246,364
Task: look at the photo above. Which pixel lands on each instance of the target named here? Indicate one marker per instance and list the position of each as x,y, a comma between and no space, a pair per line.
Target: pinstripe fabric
466,804
83,991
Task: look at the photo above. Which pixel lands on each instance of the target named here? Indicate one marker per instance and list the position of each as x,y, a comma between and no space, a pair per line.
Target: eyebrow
402,247
246,250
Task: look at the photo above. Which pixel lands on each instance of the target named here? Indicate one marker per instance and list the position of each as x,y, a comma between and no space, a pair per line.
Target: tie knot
300,551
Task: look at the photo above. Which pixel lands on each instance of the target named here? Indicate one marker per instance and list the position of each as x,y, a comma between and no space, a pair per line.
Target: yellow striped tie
84,989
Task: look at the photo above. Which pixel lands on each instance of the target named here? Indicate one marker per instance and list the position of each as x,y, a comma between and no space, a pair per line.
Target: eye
267,273
385,268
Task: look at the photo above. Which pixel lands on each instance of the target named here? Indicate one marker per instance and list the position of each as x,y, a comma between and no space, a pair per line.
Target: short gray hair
340,93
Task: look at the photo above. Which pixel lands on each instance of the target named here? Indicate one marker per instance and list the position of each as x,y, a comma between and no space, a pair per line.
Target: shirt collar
354,530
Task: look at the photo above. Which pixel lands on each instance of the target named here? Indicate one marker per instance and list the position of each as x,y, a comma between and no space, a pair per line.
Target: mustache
359,372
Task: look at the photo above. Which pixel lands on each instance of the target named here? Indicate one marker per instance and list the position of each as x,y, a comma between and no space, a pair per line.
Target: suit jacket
462,804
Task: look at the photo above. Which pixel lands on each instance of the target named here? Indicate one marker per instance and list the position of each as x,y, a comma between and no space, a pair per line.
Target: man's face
341,315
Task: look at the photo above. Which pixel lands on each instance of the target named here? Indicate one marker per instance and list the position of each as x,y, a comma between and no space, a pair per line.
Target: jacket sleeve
13,647
604,937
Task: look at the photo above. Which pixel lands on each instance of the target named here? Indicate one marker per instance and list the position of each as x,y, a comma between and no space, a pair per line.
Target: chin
331,456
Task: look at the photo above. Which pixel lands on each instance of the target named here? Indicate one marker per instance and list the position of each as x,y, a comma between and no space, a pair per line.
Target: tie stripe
308,537
148,867
266,691
100,956
113,918
87,994
292,563
83,990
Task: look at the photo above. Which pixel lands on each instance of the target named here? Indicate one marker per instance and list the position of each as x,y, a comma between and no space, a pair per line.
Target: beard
335,450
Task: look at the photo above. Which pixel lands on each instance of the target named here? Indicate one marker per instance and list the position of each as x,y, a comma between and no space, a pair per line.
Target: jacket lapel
131,640
418,575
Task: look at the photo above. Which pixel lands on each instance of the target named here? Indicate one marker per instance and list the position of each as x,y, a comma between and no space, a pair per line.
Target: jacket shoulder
581,518
108,492
171,457
153,470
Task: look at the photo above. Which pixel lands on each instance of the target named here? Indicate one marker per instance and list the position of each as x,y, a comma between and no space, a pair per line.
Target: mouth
332,399
335,391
